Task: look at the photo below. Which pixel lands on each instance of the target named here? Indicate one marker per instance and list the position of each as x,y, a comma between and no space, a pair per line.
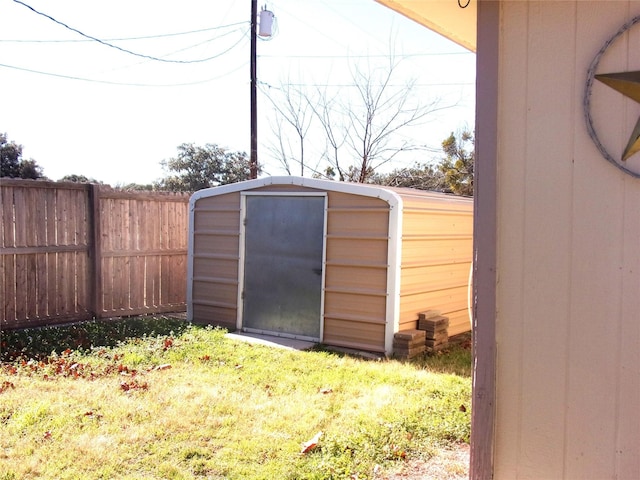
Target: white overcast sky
81,107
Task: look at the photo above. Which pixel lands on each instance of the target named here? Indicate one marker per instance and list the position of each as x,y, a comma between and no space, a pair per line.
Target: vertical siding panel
511,227
567,328
628,367
594,351
550,95
628,399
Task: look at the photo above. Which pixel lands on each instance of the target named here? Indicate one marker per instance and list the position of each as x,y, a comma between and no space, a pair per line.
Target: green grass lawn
160,399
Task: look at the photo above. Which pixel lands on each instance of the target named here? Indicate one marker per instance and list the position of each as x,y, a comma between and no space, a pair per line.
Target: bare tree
282,150
365,128
336,134
381,112
295,110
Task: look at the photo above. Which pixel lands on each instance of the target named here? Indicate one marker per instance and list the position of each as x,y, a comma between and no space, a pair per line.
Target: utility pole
253,159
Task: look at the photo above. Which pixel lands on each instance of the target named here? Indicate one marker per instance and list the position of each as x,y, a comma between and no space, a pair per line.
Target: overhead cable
126,84
157,59
125,39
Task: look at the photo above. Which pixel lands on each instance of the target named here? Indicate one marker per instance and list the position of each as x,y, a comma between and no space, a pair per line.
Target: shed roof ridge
376,191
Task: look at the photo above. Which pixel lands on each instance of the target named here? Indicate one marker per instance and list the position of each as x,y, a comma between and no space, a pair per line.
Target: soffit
446,17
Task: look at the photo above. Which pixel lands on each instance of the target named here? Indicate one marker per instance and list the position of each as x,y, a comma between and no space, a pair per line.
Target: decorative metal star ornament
628,84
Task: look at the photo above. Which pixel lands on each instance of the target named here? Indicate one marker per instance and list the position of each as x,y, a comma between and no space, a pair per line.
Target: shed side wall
437,249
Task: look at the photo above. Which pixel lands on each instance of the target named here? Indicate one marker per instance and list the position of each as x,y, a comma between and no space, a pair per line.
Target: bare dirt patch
449,464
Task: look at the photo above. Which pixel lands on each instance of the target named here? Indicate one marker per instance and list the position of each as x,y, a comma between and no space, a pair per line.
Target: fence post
95,250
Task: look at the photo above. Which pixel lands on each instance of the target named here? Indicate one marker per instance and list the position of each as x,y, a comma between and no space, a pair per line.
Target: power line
126,84
107,44
351,85
408,55
125,39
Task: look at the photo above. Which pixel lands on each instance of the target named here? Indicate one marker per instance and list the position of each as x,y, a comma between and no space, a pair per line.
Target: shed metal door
283,265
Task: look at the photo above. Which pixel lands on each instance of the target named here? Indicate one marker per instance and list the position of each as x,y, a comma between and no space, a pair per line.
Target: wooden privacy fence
71,252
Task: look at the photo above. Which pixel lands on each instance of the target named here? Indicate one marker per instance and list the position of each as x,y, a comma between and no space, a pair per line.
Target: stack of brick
409,343
436,328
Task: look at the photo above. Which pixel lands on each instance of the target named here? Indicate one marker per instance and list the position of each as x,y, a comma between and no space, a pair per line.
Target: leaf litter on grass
247,422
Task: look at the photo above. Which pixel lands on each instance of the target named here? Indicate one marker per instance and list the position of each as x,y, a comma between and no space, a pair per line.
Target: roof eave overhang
453,19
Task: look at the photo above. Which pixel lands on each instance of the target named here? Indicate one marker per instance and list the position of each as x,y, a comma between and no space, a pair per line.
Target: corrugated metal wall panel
352,334
216,230
445,301
356,306
434,278
208,265
358,223
356,271
221,316
441,222
212,241
355,277
215,291
437,248
357,251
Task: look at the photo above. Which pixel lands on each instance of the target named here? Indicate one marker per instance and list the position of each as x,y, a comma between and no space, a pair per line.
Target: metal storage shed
339,263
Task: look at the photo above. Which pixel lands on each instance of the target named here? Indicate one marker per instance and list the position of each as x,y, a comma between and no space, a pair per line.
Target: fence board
76,251
52,285
31,299
41,285
8,279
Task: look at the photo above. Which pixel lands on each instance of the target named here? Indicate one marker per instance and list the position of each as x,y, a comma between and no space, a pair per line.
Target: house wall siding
568,290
